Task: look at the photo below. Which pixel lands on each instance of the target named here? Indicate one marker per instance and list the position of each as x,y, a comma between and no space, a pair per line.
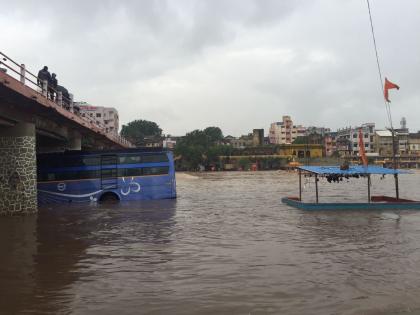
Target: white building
169,143
104,117
349,139
318,130
284,132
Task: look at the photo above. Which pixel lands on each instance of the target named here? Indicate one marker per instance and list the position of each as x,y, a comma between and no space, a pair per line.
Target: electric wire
387,107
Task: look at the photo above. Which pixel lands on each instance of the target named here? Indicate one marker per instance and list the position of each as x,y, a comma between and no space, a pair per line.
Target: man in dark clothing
52,86
43,75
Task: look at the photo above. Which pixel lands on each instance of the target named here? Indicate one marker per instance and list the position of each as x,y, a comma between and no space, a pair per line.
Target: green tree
244,163
192,148
196,138
301,140
137,130
201,147
312,138
214,134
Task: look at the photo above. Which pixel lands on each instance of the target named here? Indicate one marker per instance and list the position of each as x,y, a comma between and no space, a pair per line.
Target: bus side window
111,159
130,159
90,160
125,172
154,158
159,170
122,160
87,174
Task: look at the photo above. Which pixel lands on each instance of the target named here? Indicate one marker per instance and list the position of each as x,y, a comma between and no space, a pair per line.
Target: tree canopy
137,131
214,134
312,138
201,147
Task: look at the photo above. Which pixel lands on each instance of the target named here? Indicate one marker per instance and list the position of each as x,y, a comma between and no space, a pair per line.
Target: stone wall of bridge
18,193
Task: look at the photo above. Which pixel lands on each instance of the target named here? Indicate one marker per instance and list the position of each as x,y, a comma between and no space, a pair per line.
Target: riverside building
104,117
383,142
347,139
284,132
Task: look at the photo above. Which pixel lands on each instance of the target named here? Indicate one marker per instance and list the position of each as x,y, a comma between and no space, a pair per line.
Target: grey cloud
237,64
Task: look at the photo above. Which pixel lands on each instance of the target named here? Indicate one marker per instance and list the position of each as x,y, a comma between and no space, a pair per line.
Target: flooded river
226,246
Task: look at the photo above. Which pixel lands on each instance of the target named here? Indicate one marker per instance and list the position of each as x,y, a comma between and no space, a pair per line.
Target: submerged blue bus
131,174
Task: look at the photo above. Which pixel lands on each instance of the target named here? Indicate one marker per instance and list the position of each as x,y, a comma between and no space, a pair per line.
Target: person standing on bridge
44,75
52,86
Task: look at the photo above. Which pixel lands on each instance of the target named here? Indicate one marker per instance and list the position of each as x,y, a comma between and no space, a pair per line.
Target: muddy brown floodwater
226,246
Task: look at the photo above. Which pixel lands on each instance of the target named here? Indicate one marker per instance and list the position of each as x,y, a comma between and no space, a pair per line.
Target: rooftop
383,133
352,170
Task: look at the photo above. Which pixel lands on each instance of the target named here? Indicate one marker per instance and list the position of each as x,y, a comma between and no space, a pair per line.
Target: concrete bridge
30,123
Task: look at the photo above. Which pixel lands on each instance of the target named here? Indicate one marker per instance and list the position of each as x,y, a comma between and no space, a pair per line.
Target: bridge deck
10,88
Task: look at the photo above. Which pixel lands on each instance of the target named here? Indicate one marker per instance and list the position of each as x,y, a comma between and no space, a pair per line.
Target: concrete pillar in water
18,185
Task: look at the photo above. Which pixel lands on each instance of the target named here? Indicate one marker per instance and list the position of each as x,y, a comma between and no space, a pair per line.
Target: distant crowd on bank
52,86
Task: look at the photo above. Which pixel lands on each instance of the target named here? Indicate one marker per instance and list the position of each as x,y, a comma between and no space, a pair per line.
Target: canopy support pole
394,160
300,185
316,187
368,188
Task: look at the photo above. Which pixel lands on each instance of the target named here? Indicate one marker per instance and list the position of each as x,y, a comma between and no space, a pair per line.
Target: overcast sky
236,64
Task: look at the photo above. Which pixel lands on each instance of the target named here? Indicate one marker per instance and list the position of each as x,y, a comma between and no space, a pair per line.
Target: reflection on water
226,245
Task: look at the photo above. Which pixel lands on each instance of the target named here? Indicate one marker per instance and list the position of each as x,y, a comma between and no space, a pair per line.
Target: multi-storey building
383,142
105,117
414,143
330,143
347,140
402,138
284,132
242,142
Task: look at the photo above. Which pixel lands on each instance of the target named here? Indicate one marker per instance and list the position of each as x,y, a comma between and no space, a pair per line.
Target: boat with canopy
336,173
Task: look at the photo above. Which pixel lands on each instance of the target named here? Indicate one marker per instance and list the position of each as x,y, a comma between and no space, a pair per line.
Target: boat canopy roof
352,170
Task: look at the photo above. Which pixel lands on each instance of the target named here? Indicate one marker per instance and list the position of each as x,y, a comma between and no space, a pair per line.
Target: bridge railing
18,71
65,100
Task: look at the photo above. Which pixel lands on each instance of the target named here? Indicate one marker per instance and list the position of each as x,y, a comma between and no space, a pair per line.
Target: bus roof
108,151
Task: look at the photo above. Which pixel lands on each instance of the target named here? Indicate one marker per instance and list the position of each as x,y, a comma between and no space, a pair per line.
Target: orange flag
389,85
362,152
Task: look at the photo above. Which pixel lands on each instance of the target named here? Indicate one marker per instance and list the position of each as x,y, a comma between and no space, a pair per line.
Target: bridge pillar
18,186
